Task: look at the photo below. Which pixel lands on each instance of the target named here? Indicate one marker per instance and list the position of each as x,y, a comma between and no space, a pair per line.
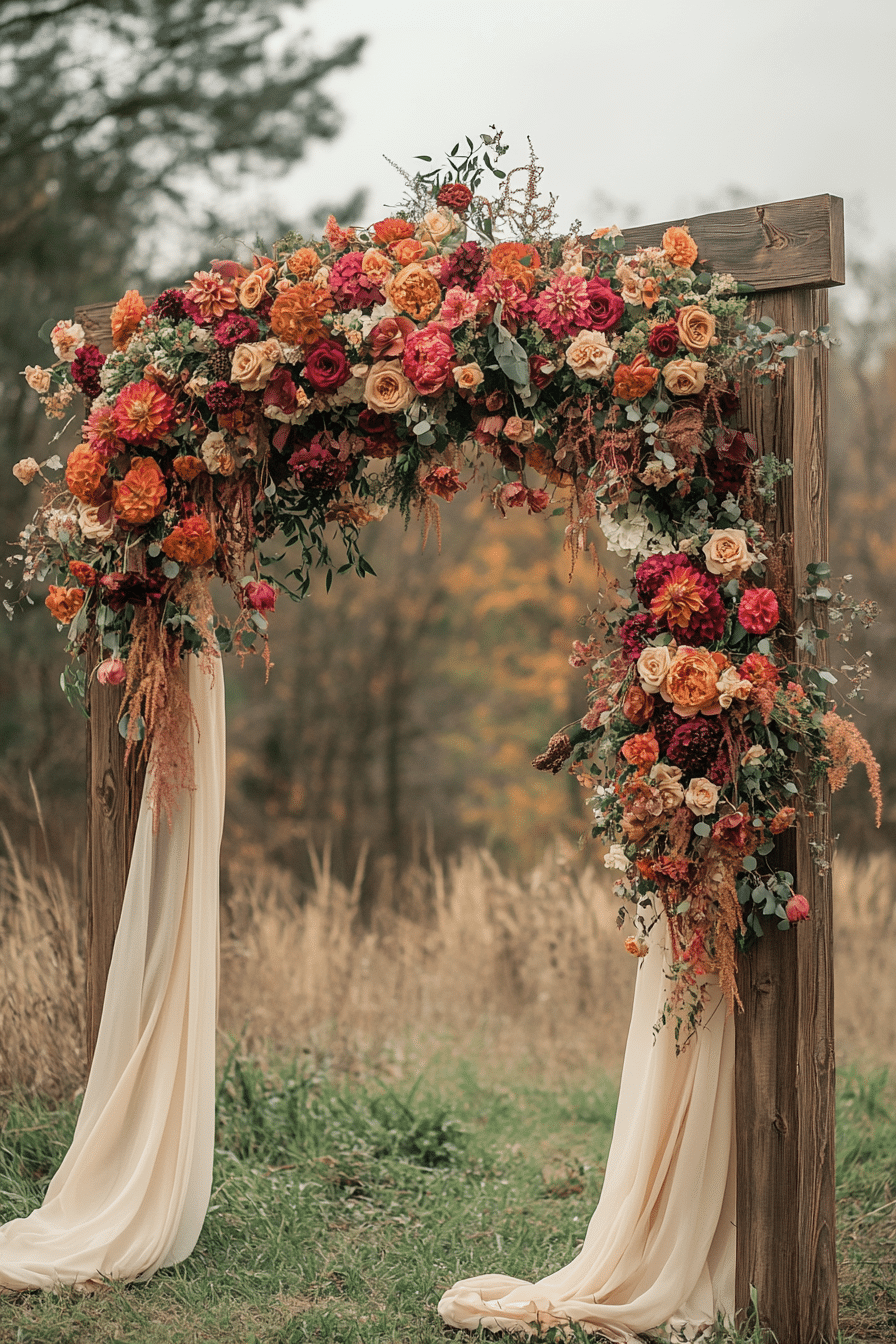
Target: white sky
654,106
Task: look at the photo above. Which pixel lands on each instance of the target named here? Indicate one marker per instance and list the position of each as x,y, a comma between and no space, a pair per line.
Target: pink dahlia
143,413
563,307
605,306
351,286
758,611
101,432
493,288
428,358
212,294
458,306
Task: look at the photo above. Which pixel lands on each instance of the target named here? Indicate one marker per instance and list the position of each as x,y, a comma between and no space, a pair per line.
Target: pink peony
429,358
758,611
797,908
111,672
458,306
563,307
261,596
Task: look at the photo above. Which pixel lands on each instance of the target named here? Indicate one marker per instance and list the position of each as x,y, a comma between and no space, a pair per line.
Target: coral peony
429,358
111,672
85,474
191,542
797,908
641,750
415,291
126,317
143,413
392,229
141,496
758,611
64,603
260,595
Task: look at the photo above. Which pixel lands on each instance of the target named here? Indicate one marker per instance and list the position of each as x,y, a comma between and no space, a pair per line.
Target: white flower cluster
632,535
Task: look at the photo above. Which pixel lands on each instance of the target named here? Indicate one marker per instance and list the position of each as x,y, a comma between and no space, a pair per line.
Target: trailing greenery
340,1210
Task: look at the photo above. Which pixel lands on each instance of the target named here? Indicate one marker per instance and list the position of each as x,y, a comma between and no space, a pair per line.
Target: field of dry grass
459,957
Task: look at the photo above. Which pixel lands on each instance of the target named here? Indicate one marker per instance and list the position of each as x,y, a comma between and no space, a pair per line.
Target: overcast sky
655,106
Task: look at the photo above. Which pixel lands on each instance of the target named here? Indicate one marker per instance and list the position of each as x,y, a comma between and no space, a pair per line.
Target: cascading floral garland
337,378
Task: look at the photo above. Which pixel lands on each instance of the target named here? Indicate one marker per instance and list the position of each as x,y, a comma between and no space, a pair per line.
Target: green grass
340,1210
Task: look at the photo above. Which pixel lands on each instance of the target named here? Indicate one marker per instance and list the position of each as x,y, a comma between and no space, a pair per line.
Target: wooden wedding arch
791,253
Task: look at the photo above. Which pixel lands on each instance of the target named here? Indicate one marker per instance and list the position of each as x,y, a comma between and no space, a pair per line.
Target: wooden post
790,252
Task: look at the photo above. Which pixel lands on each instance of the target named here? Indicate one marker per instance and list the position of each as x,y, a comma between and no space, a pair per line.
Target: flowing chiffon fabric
660,1248
131,1194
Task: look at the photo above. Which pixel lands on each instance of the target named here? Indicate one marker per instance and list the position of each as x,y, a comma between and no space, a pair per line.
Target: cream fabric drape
133,1189
660,1248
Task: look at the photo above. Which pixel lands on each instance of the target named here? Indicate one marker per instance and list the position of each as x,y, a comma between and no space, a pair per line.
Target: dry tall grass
459,955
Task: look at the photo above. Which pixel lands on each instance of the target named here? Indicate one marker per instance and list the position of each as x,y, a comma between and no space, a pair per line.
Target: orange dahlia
141,496
518,261
126,317
296,314
85,471
212,294
679,598
143,413
191,542
64,603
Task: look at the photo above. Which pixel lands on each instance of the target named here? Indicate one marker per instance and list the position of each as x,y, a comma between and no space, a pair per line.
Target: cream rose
252,365
666,779
684,377
436,225
468,376
26,470
728,552
696,328
217,456
731,686
653,667
702,797
66,337
91,525
387,390
589,354
753,754
38,379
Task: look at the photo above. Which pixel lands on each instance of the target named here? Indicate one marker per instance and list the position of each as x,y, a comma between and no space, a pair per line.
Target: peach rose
26,470
589,355
65,338
255,286
252,365
731,686
653,667
407,250
691,684
679,246
376,264
387,390
519,431
468,376
702,797
684,377
696,328
415,291
728,552
666,780
436,225
38,379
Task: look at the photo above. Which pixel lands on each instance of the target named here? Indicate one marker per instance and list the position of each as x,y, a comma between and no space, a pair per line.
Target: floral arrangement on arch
302,393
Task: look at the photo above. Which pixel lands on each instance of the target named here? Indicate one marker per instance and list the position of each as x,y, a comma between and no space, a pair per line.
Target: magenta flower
758,611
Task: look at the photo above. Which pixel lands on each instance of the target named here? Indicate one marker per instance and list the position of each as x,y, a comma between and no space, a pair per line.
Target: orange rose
414,291
691,682
303,263
296,314
637,705
141,496
696,328
407,250
64,603
85,474
520,262
126,317
679,246
392,230
191,542
635,380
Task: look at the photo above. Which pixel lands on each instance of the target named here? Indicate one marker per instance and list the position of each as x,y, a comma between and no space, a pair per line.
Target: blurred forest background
402,711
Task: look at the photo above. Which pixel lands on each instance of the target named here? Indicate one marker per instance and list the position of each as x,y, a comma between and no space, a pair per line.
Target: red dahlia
456,195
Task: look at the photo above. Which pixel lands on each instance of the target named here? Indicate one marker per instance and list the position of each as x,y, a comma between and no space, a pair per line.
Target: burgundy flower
174,304
705,625
223,397
136,589
537,365
695,743
380,439
464,266
281,392
456,195
86,366
606,306
635,634
733,832
326,368
663,339
665,723
352,287
234,329
728,461
317,466
759,611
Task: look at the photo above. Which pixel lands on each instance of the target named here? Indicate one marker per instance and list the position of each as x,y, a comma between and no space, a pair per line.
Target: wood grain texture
114,790
789,244
785,1037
